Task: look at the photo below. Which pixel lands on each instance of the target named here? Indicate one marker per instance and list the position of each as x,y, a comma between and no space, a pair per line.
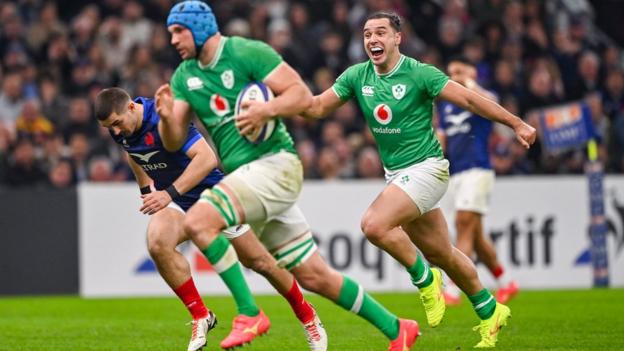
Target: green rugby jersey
398,107
212,91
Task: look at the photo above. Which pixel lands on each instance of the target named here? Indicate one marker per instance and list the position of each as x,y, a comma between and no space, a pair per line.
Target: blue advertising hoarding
566,126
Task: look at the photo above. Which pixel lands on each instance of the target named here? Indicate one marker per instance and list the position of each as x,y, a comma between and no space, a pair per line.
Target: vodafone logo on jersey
383,114
219,105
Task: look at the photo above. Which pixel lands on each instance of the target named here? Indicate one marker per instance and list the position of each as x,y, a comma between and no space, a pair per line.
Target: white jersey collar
394,69
217,56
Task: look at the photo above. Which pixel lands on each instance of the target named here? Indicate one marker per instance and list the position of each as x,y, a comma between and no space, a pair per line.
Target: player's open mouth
376,51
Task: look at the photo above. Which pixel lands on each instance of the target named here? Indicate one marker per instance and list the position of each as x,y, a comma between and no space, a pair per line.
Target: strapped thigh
288,238
223,203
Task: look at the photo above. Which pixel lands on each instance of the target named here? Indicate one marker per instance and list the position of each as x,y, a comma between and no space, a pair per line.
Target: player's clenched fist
525,134
164,102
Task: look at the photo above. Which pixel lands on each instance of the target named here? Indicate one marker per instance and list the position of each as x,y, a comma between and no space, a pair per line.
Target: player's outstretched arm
470,84
323,105
478,104
175,116
292,97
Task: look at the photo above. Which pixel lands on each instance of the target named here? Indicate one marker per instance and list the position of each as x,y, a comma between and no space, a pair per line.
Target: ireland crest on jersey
227,78
398,91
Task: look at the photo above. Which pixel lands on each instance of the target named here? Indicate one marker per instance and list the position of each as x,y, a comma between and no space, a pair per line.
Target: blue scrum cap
197,16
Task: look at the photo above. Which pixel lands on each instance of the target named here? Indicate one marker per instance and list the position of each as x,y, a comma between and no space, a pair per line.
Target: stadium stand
55,58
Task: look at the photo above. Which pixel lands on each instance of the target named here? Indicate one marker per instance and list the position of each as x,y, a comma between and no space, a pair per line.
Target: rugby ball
256,91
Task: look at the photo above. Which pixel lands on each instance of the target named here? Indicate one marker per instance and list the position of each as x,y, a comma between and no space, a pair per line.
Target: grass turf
542,320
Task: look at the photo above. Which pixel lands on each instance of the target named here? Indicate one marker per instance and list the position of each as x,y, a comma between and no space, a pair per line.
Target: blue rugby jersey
467,137
147,150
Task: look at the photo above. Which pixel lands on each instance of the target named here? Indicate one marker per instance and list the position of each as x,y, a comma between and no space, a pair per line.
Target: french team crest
398,91
227,77
149,139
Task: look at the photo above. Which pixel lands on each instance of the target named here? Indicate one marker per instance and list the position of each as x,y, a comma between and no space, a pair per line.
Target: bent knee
200,232
159,245
373,227
192,227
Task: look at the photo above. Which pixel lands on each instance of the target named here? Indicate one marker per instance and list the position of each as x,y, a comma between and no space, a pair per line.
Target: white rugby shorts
425,182
471,189
267,190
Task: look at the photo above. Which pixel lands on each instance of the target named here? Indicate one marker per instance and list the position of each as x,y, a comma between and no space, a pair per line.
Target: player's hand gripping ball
256,91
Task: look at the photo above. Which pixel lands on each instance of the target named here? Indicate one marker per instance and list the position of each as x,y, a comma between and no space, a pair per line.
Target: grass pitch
542,320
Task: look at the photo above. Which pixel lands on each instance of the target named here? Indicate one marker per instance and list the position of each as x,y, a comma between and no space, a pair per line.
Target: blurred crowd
56,56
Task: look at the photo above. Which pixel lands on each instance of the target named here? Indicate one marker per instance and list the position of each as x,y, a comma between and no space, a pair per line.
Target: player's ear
131,106
397,38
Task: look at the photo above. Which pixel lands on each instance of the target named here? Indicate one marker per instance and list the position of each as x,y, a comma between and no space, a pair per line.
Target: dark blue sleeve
193,136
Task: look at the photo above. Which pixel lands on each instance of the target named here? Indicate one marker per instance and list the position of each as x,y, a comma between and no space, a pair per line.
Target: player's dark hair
110,100
461,59
393,18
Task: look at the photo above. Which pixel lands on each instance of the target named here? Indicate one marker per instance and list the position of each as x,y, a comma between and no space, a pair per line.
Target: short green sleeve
258,58
343,87
433,79
177,84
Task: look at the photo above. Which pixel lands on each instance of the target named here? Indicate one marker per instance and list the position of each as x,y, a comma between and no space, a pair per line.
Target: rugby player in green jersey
263,180
396,95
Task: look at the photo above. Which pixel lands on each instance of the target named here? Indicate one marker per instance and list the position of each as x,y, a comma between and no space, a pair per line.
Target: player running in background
396,94
465,136
263,180
179,178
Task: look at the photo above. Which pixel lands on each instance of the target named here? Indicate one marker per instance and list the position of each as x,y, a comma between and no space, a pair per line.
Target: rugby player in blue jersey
466,136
